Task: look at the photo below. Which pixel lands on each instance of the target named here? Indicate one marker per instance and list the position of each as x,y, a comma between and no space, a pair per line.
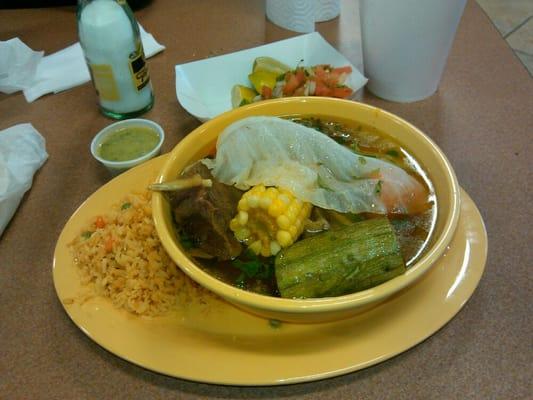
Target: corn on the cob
269,219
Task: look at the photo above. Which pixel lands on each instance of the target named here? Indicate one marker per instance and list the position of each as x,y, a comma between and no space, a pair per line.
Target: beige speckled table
482,117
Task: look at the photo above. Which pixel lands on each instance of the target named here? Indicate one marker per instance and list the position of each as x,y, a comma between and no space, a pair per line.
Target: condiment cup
202,140
117,167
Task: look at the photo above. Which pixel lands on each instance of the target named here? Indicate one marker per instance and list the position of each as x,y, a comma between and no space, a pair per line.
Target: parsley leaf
253,267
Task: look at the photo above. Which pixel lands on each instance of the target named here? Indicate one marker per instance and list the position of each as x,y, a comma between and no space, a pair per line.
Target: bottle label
104,82
138,68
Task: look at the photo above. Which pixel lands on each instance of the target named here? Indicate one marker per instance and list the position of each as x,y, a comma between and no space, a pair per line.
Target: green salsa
128,143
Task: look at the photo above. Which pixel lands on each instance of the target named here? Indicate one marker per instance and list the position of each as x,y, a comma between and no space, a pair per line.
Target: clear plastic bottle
110,38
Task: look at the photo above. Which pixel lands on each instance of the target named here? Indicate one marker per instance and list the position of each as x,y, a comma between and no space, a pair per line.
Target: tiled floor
514,20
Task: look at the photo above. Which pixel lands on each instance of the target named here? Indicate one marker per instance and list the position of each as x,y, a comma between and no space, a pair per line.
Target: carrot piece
99,223
108,245
415,201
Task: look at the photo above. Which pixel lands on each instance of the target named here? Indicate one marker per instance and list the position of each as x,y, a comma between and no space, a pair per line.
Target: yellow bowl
198,144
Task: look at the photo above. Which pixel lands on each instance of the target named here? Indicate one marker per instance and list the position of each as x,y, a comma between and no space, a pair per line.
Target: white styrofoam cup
406,45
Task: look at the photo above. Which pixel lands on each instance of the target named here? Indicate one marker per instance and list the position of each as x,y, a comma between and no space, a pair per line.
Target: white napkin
18,64
58,71
22,152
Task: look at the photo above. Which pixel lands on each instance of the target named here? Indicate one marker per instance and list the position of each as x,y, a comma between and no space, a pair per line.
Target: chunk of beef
204,213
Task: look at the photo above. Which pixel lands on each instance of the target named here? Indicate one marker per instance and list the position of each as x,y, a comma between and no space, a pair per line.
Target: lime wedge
263,78
269,64
241,95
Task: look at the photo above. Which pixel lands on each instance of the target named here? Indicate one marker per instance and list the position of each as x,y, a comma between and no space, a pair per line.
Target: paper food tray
204,87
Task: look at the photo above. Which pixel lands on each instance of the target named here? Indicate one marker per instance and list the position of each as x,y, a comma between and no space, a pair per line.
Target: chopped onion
342,78
306,88
278,89
312,88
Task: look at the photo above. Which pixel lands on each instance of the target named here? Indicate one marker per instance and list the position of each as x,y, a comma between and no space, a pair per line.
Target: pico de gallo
272,79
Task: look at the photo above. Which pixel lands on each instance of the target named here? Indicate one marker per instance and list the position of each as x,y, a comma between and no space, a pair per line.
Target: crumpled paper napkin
54,73
22,153
18,64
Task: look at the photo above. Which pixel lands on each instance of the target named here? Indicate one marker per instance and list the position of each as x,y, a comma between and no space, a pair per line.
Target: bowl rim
134,161
312,305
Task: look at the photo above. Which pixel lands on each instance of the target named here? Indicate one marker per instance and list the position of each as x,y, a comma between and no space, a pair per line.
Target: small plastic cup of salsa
125,144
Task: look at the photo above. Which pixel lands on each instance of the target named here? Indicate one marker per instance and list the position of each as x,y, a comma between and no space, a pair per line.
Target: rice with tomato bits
119,256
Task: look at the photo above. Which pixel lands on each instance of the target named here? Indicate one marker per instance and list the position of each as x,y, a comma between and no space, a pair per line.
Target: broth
413,231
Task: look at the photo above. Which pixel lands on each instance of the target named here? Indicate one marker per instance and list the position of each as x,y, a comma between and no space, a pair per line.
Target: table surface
481,116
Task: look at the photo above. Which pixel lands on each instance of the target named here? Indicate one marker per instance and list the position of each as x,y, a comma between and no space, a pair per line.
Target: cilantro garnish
253,267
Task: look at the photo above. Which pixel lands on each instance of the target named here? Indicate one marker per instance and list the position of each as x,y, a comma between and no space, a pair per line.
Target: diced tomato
299,91
300,75
266,92
332,79
319,71
319,80
322,89
99,223
342,92
340,70
327,82
291,84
